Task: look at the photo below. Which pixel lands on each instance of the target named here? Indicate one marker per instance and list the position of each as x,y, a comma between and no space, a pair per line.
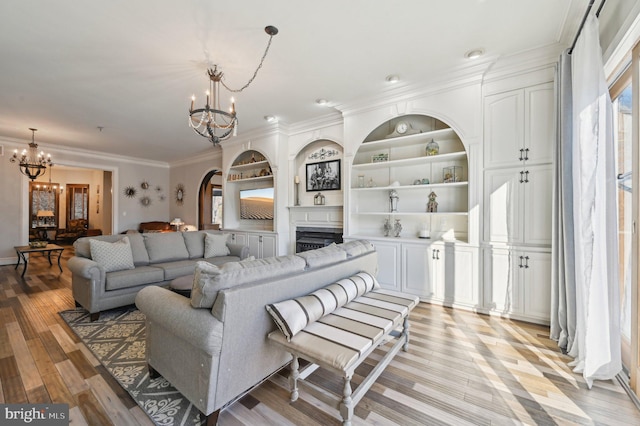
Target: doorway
210,199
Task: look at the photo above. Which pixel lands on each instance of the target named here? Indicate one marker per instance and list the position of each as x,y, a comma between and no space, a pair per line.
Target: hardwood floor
461,369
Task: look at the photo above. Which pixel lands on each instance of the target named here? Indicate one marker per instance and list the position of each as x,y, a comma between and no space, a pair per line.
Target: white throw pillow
216,245
115,256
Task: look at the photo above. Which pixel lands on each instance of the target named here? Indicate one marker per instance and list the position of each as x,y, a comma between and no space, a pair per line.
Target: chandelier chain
255,73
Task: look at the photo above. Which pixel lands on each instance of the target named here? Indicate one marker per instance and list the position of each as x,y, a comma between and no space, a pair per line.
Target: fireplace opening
309,238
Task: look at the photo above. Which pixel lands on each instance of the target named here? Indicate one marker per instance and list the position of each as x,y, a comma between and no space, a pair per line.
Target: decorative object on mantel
393,200
432,148
387,227
397,228
318,199
145,201
212,121
130,192
32,163
432,205
323,154
179,194
144,185
296,181
451,174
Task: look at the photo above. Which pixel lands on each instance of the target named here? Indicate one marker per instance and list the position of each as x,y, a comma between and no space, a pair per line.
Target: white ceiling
67,67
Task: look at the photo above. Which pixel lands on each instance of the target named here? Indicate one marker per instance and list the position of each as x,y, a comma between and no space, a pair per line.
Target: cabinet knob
521,152
521,176
526,154
526,176
520,264
526,259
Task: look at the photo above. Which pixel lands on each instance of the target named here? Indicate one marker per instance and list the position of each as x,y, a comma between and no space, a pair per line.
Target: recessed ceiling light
392,78
270,118
474,53
321,101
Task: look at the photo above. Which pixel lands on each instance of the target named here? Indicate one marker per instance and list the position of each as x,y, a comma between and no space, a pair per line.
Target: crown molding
85,153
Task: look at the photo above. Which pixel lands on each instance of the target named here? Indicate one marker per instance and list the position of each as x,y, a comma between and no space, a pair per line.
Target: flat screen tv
256,204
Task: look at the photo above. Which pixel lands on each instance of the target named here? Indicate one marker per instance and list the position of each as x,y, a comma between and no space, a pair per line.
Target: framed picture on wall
323,176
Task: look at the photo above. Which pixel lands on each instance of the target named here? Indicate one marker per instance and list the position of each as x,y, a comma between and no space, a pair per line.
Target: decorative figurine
432,205
387,227
397,228
432,148
393,200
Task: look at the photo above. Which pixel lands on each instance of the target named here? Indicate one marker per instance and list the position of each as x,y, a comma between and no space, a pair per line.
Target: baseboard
8,260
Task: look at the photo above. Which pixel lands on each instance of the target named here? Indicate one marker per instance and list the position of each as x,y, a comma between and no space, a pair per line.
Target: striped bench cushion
293,315
340,338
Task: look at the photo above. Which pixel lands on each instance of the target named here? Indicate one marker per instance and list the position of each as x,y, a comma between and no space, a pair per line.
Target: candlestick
296,179
297,192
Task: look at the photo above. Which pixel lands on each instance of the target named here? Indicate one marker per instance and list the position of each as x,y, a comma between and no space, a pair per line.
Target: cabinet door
388,264
538,205
239,238
537,286
503,201
540,134
416,270
436,262
269,245
253,241
461,272
504,129
501,281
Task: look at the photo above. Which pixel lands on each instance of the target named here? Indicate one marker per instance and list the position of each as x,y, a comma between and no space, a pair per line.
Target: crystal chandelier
212,121
32,163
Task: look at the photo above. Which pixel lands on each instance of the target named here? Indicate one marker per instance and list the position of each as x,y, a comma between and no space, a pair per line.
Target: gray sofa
214,355
158,258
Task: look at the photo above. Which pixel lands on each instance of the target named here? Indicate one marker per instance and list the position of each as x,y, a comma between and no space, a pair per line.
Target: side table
22,250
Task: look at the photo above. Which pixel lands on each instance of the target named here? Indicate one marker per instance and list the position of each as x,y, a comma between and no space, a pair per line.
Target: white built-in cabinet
261,244
441,269
519,142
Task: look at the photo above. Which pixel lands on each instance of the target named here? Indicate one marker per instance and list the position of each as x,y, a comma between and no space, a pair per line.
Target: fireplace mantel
323,216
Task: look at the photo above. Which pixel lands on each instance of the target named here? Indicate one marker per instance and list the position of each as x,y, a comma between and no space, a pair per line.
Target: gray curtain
563,284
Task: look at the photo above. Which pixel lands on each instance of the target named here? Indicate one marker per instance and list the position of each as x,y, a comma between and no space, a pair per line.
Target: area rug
117,340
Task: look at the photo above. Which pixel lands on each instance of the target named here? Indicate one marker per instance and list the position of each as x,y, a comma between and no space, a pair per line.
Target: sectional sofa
108,271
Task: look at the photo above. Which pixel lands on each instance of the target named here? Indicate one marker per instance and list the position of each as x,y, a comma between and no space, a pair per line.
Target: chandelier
32,163
212,121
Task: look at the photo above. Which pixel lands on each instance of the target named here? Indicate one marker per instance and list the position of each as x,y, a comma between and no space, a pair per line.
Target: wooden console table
22,250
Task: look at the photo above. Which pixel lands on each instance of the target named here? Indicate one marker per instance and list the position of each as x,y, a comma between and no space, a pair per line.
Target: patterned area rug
117,339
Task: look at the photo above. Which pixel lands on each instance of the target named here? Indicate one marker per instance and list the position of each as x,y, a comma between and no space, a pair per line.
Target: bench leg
293,378
405,331
346,407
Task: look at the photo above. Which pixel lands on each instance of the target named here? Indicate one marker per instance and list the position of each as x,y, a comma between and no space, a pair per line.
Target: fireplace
310,238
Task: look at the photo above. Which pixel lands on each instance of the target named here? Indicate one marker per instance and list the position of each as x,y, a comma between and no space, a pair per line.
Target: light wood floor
461,368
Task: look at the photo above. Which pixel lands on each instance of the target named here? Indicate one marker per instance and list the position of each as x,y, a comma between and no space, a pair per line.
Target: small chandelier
212,121
32,163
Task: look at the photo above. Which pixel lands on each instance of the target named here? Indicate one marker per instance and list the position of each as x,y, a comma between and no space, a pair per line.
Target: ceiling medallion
211,121
32,163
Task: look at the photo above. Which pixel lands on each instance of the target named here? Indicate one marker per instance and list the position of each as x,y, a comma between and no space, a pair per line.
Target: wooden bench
341,340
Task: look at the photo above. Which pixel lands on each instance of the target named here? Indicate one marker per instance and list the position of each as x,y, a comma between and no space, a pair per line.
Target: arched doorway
210,201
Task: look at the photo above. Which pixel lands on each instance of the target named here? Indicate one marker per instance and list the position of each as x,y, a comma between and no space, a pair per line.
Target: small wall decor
130,192
98,200
158,188
323,176
179,194
145,201
318,199
323,154
144,185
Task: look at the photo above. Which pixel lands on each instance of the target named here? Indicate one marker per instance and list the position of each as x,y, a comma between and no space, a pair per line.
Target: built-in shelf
412,161
412,213
421,186
249,166
406,140
252,179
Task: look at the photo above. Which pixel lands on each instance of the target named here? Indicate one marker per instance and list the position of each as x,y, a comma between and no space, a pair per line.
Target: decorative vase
397,228
393,200
432,148
387,227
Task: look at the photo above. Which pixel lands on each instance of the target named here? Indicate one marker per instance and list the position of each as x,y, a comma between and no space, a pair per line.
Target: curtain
563,284
596,346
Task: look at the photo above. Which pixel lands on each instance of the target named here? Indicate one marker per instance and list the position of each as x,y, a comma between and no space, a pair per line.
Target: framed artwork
323,176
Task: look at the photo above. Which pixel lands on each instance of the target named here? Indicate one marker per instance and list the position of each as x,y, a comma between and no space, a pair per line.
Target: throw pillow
115,256
206,285
293,315
216,245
